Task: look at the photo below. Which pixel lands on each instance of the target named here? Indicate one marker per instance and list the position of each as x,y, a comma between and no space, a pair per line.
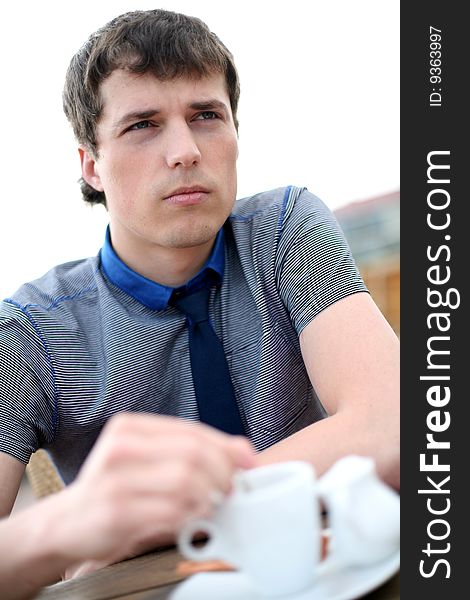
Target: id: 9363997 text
435,69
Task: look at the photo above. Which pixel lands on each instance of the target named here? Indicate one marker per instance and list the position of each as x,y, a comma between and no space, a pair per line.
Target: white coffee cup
364,512
269,528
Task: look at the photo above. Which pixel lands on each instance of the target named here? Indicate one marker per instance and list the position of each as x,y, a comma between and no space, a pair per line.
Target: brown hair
164,43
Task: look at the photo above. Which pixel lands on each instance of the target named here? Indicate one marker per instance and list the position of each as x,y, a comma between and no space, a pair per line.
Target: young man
309,367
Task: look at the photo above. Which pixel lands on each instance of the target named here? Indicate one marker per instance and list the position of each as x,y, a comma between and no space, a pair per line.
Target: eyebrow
209,105
142,115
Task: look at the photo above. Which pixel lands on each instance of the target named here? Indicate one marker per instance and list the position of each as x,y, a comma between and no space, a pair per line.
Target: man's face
167,154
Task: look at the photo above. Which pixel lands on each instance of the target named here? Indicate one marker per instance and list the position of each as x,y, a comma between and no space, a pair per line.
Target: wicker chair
42,475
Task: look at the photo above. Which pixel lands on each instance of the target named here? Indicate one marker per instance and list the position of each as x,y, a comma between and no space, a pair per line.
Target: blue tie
212,384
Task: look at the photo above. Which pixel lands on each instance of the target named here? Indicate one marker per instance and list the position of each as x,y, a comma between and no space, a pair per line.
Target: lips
187,196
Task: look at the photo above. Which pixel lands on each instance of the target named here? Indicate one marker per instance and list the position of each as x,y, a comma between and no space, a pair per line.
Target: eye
140,125
207,115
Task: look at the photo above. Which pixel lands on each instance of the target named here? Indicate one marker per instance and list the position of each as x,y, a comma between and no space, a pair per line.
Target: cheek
122,175
227,159
233,150
233,162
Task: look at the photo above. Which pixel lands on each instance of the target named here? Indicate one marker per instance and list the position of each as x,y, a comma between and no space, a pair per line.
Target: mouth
187,196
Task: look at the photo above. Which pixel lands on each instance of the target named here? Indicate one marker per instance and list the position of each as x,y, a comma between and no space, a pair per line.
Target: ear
90,169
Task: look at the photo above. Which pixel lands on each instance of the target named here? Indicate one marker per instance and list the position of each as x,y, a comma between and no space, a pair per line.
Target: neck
171,267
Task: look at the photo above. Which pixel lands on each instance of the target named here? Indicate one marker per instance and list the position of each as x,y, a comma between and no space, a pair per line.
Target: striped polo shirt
92,338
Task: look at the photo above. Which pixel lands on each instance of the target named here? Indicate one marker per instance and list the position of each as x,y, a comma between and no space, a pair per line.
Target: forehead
123,91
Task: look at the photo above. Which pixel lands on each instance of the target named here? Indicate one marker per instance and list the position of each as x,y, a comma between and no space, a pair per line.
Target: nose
182,149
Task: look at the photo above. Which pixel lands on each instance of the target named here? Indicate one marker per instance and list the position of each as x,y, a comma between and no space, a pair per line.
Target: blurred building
372,228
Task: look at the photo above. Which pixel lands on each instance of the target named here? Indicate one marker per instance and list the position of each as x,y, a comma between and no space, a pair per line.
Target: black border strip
439,124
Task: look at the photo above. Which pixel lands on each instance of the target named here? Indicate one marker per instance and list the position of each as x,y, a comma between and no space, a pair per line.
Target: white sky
319,107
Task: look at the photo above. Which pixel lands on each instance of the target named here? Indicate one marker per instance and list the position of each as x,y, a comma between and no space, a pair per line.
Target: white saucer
331,583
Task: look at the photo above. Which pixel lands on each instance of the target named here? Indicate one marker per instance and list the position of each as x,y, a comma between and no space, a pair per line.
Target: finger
187,485
202,450
152,426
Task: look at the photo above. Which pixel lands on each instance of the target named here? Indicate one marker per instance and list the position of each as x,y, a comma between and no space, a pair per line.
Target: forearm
29,556
324,442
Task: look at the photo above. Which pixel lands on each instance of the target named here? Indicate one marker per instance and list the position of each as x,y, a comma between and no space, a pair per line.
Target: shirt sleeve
27,399
314,264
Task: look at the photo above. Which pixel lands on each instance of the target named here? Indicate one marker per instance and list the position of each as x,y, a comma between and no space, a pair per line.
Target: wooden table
151,577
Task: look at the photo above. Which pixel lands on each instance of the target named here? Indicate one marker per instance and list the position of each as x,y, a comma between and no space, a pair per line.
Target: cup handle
210,551
340,498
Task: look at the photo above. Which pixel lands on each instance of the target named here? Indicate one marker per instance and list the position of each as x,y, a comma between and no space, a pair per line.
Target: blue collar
152,294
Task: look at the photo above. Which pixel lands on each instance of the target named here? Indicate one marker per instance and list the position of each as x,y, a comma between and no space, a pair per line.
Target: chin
192,236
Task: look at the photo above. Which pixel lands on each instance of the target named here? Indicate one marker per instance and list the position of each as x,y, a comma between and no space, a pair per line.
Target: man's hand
143,479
